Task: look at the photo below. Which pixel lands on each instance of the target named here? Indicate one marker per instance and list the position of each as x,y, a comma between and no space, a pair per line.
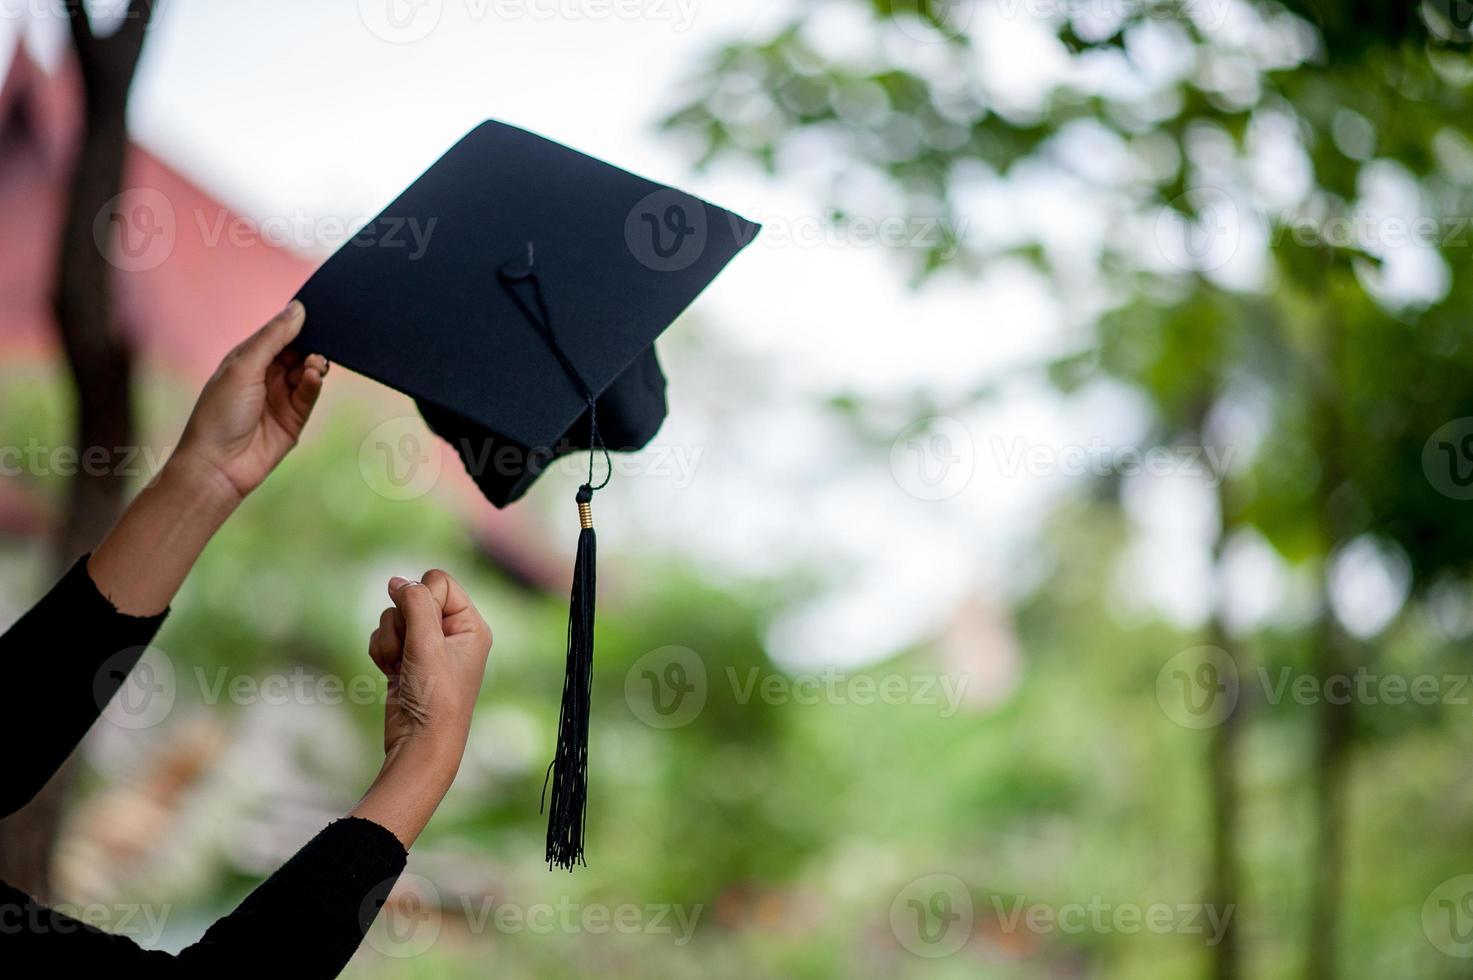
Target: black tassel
568,773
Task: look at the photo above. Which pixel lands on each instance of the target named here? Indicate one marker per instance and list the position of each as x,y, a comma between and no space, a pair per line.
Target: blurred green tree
1242,154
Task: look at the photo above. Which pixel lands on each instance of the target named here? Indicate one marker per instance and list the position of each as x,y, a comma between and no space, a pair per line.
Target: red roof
186,304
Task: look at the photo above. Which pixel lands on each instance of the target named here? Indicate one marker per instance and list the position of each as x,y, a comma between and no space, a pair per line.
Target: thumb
447,592
262,347
421,614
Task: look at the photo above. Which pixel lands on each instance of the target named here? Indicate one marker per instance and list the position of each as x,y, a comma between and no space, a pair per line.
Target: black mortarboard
515,290
422,300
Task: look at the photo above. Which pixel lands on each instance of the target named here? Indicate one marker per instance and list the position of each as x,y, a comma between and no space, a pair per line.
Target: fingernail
399,582
294,309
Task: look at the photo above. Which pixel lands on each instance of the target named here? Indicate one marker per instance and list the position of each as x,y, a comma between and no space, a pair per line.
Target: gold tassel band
585,514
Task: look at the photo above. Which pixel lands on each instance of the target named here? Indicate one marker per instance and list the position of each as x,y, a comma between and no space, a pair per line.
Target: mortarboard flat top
434,298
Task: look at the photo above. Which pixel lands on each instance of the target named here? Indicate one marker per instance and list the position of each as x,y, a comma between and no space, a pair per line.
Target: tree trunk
98,355
101,365
1222,753
1333,722
1331,761
1223,888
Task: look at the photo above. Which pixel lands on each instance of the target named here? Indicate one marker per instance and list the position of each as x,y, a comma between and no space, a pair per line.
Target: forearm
414,779
107,611
58,691
144,559
306,920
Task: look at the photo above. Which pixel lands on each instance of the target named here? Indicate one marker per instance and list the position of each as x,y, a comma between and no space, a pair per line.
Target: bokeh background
1056,563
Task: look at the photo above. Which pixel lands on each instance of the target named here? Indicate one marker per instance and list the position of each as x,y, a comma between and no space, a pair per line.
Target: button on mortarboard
516,270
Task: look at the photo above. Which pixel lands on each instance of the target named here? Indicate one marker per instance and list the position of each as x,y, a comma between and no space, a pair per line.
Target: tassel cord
567,774
541,319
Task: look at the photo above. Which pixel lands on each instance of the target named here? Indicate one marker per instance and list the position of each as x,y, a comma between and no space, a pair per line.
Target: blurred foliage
1201,134
785,828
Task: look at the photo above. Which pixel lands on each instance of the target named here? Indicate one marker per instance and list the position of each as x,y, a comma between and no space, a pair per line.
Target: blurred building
193,276
183,307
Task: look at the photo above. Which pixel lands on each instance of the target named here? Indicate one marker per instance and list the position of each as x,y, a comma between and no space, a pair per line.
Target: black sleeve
303,922
62,662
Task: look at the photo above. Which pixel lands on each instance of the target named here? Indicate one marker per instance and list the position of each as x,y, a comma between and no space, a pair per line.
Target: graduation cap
515,291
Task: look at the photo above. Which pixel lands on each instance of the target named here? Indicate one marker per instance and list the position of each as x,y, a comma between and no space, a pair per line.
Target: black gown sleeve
62,662
303,922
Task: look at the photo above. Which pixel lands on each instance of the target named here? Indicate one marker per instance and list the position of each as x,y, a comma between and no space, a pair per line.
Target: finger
421,614
391,623
381,658
395,584
299,365
386,645
460,615
277,389
258,352
385,650
305,392
447,592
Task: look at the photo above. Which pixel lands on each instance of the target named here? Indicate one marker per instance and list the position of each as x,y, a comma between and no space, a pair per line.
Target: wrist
434,762
408,789
142,561
195,478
